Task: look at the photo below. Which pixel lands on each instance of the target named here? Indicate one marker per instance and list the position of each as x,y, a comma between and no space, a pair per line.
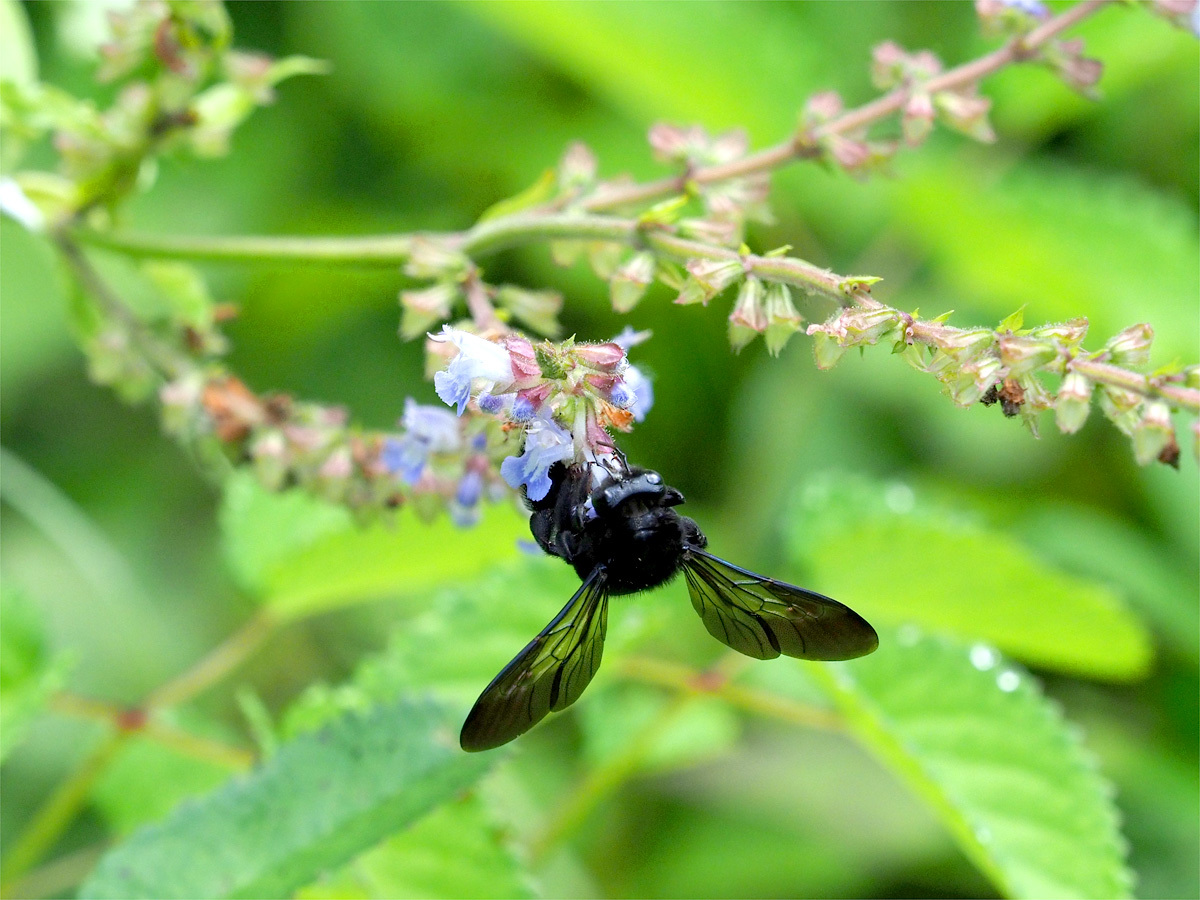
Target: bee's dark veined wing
549,674
762,617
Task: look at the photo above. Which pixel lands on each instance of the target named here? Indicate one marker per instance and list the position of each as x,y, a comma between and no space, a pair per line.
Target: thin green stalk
218,663
57,813
603,780
763,703
57,877
386,250
176,739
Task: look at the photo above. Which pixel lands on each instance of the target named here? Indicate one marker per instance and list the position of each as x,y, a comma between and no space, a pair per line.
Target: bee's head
643,485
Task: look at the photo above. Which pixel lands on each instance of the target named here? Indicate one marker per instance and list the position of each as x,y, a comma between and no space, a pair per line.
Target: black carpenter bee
621,532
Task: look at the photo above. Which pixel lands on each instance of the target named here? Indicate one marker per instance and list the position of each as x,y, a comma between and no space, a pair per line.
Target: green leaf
1051,218
291,66
29,672
415,863
896,558
979,743
18,55
534,195
321,800
184,290
495,616
303,556
1160,588
261,530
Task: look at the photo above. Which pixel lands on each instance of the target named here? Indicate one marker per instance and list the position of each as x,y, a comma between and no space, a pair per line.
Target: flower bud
1073,402
782,319
1076,70
887,65
578,167
966,345
822,107
631,280
707,278
673,143
422,309
726,232
967,383
1121,407
826,349
606,357
530,400
338,466
269,452
537,309
523,359
748,318
1022,354
848,153
490,403
604,257
1132,346
1153,432
917,119
429,259
966,113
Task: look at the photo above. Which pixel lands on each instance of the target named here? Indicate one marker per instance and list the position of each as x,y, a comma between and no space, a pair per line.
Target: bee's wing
549,674
762,617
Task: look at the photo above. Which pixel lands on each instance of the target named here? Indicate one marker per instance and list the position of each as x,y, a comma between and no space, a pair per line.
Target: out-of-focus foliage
316,804
124,556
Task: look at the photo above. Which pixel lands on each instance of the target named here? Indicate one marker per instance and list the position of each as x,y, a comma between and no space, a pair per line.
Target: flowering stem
384,251
393,250
1017,50
1146,385
1182,397
802,147
168,361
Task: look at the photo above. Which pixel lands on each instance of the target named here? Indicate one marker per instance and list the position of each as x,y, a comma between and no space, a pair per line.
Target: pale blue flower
546,442
1034,8
643,393
15,204
427,429
464,509
478,360
630,338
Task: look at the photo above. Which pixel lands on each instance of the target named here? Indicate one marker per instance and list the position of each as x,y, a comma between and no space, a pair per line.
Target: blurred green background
433,112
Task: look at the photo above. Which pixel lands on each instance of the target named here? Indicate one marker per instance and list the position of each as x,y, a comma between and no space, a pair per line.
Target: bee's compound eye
653,478
609,496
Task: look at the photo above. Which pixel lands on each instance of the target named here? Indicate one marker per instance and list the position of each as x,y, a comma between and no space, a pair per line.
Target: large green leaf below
321,800
975,738
303,556
896,557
